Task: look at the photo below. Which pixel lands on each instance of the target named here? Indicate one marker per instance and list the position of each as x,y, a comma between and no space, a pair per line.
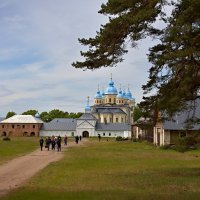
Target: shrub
119,138
166,146
6,139
185,143
135,140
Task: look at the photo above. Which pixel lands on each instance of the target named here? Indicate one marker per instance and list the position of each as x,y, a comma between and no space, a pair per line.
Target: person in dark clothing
76,139
59,137
65,140
53,143
48,142
41,143
59,143
99,136
80,137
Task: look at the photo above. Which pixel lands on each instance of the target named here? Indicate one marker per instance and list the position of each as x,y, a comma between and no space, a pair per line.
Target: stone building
20,125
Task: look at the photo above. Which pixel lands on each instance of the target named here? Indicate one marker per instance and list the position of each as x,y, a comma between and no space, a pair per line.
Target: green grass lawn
113,170
17,146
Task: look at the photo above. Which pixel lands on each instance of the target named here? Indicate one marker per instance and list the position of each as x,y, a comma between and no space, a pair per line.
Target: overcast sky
39,42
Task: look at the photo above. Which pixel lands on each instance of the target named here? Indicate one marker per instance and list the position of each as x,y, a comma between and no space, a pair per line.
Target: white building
110,116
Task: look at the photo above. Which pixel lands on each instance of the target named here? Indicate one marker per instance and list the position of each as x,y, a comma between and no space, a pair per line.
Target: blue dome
128,94
111,89
102,93
87,108
120,95
37,115
98,95
125,95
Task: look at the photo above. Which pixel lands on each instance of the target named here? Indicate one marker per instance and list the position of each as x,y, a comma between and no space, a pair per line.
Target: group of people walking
54,142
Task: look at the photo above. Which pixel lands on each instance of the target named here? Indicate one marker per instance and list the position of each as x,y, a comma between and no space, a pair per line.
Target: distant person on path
99,136
53,143
47,143
65,140
59,143
76,139
41,143
80,138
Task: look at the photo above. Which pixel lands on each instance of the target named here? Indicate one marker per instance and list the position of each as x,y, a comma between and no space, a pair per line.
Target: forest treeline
48,116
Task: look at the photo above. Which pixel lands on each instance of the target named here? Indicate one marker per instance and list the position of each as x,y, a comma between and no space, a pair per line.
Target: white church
110,116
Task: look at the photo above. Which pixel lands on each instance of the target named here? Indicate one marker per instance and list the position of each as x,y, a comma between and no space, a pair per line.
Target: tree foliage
10,114
176,60
48,116
30,112
128,20
56,113
44,116
137,113
174,76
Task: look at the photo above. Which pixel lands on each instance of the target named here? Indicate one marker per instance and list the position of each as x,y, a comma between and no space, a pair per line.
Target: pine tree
175,71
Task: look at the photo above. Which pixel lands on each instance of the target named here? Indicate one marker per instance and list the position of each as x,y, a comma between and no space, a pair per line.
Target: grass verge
17,146
116,170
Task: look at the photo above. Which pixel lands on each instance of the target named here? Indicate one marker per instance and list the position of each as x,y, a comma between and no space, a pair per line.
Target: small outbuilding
20,125
168,131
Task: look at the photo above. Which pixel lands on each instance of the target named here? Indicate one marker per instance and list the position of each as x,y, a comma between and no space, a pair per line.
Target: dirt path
17,171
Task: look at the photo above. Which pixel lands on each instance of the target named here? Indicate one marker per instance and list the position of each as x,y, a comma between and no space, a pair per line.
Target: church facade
110,116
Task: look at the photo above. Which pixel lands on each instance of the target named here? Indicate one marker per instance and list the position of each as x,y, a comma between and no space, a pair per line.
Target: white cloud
34,67
10,53
43,37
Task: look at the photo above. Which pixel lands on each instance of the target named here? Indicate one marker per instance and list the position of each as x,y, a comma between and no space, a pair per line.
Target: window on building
23,126
33,126
13,126
114,100
116,119
2,126
110,120
109,100
122,119
109,134
105,121
72,134
104,134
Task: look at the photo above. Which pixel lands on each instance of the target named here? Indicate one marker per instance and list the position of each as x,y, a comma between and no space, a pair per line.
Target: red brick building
20,125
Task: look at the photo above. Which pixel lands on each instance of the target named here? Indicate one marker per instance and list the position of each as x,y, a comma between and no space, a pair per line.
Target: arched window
32,134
